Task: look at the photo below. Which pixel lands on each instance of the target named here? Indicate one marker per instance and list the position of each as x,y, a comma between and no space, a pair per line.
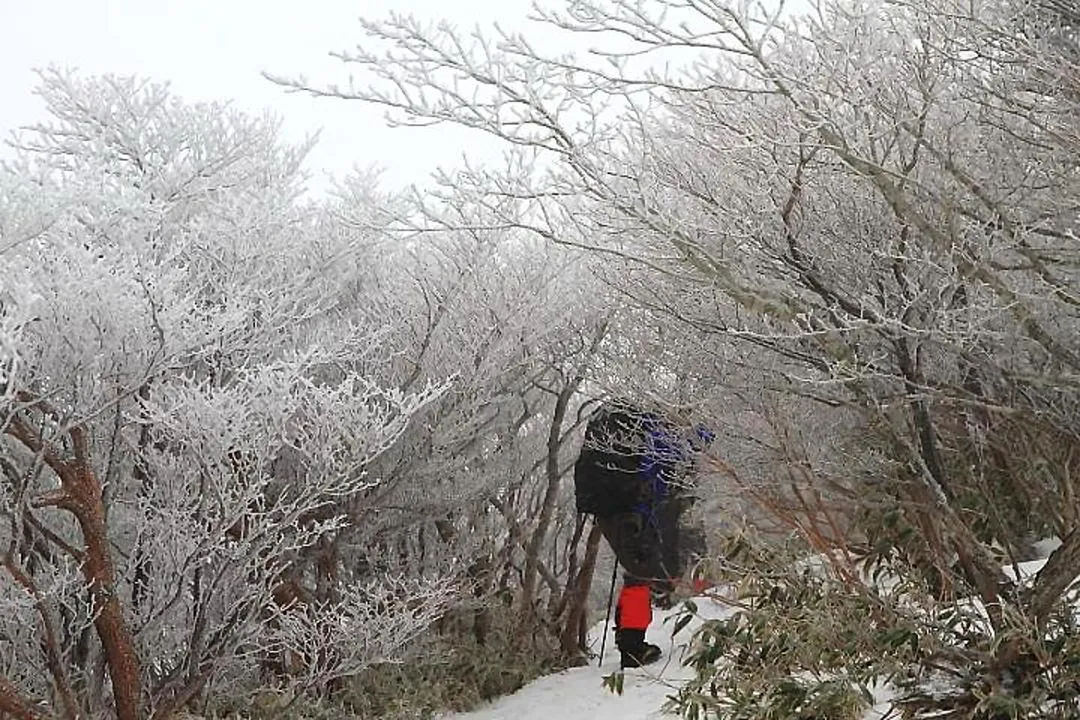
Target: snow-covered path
580,693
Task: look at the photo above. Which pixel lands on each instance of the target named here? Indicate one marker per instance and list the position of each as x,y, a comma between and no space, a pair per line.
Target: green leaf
614,682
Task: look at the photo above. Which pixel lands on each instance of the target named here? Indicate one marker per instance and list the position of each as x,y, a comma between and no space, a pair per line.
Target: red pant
634,609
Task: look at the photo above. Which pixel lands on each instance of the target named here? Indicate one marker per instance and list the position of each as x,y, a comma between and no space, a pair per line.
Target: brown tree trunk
80,494
109,622
553,473
11,703
1055,577
547,506
571,640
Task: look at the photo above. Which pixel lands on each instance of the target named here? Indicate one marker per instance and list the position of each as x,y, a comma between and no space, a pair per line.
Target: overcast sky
216,50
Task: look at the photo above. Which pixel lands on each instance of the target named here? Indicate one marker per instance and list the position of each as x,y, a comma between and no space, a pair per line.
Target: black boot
647,655
635,651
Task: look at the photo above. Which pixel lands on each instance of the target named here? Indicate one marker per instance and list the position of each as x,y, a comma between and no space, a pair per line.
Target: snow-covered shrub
870,210
800,643
806,640
231,414
185,411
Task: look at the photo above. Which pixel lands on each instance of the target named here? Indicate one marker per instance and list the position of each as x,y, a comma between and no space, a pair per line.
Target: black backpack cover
606,475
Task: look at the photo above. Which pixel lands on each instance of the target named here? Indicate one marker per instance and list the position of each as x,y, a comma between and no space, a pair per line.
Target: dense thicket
855,232
243,430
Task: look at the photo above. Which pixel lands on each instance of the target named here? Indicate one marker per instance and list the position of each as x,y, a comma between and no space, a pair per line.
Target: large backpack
607,480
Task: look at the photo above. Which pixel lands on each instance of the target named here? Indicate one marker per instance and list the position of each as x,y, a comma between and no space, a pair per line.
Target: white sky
216,49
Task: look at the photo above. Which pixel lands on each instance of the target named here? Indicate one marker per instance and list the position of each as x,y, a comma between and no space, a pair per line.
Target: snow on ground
580,692
1028,569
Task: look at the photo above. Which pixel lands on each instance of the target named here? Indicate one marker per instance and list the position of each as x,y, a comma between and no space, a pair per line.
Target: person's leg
639,557
632,617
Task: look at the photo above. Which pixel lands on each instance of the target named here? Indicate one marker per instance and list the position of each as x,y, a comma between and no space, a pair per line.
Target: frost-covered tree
874,205
186,394
512,321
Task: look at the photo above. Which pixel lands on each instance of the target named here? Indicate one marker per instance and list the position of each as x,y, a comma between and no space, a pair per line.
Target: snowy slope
580,693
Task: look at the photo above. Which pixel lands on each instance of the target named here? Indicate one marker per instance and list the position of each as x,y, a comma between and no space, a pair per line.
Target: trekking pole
610,598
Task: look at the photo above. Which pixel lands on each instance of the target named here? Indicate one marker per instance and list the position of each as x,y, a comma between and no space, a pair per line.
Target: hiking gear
634,611
636,546
626,477
647,655
653,553
635,652
607,620
606,478
700,585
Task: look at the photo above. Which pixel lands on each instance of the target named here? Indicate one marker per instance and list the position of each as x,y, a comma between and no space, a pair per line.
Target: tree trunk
1055,577
572,639
140,588
12,704
109,621
80,494
547,507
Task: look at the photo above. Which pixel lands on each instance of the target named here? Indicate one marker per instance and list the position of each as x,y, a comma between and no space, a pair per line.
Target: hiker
631,476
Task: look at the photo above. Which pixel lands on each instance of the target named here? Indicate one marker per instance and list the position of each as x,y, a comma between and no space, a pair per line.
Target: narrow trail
580,692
